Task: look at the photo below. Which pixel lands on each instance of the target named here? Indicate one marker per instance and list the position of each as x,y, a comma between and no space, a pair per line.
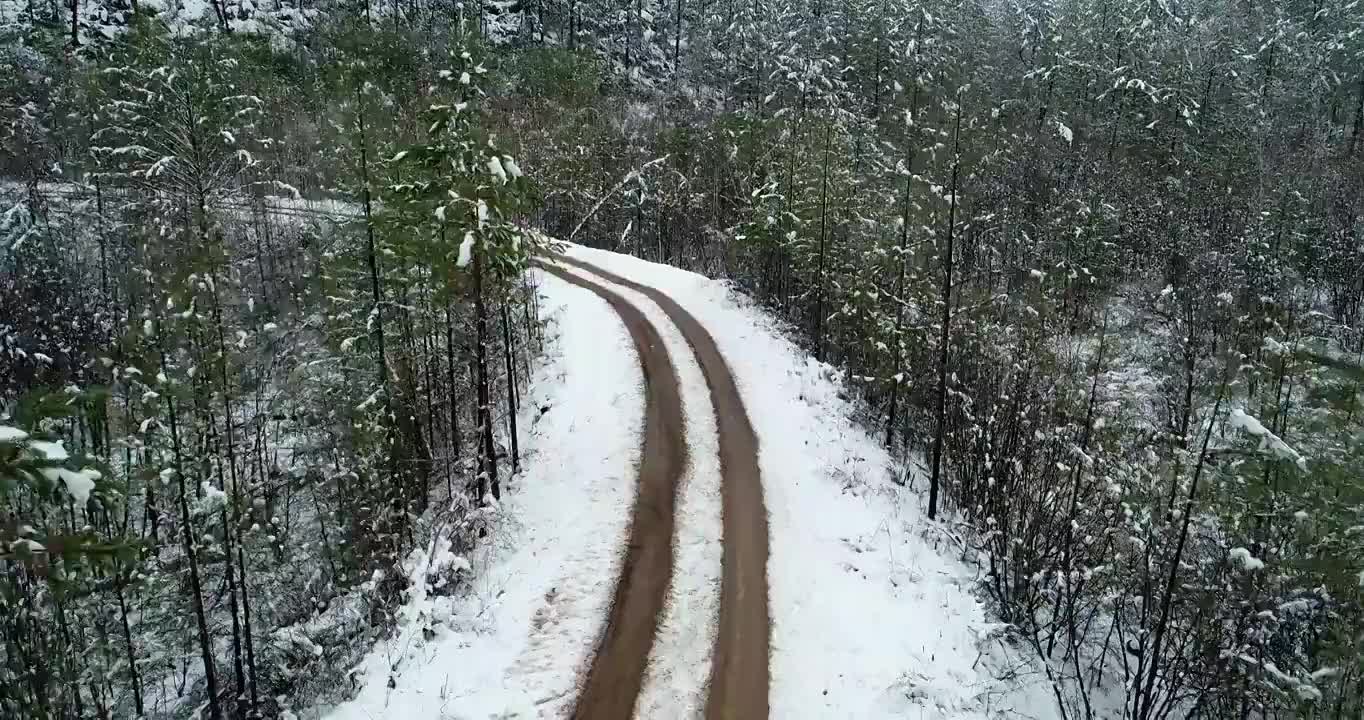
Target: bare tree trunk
399,509
677,37
450,381
818,320
229,579
1146,686
371,254
899,303
511,388
572,30
134,678
229,443
1074,506
904,251
1359,119
215,712
221,12
945,337
485,421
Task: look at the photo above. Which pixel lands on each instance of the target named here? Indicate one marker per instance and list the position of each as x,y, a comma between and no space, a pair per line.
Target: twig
628,177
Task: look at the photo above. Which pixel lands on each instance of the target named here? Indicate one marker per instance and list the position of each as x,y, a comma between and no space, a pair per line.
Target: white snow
1325,673
12,434
1241,557
368,402
79,483
213,498
514,643
52,451
1065,132
466,250
495,169
1239,420
1274,347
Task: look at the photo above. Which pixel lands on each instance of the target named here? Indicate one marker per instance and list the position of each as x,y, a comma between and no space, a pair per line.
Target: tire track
678,672
740,675
616,673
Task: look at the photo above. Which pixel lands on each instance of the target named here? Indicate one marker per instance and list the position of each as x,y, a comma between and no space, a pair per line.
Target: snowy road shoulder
514,646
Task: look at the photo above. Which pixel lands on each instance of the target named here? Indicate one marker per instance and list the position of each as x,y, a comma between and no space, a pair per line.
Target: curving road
738,688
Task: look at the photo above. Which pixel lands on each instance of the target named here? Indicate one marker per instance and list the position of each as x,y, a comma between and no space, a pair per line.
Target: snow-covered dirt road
738,685
846,603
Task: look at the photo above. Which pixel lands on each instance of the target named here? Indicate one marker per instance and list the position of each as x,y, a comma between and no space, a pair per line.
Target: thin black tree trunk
904,254
485,424
818,330
187,535
946,335
511,388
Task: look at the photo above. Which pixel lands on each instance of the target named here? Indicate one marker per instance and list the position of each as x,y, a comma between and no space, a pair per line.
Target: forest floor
701,529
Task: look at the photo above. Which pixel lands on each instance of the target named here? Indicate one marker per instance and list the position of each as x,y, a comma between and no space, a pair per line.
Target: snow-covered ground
873,617
514,646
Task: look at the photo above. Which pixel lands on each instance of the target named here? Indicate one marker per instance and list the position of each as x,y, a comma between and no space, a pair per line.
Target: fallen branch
628,177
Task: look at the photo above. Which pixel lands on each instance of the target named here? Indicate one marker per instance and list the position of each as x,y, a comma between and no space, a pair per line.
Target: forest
1093,269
